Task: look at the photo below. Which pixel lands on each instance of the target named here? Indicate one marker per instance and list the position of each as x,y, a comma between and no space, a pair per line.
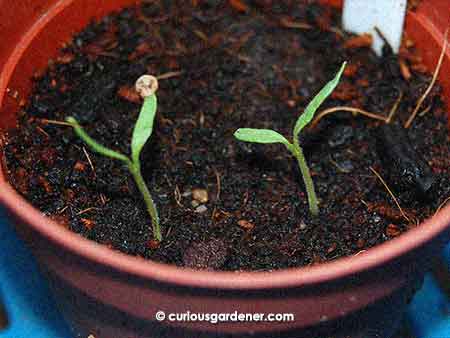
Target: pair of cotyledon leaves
144,126
271,136
142,131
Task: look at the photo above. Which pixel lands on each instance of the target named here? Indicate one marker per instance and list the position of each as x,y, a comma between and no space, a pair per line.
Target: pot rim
147,269
284,278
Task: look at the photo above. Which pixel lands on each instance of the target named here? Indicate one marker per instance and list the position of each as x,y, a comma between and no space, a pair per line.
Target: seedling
146,86
266,136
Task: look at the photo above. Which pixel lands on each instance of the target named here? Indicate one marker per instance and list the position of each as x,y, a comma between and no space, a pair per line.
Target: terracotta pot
111,294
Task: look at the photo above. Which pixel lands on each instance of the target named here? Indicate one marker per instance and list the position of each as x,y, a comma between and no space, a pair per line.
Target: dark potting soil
225,204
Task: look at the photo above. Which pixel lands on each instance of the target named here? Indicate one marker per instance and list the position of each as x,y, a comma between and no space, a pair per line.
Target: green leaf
144,127
260,136
95,146
312,107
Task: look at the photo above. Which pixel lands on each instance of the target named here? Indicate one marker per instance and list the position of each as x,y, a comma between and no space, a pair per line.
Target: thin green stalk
313,202
151,208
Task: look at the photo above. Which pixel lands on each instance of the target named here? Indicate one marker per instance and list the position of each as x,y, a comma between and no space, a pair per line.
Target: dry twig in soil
430,87
390,193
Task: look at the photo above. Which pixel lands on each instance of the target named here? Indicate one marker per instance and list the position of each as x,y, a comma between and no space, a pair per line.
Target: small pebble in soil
246,225
200,195
303,225
186,194
201,209
209,254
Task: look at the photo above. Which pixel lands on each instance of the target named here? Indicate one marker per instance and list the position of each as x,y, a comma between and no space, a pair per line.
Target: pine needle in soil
430,87
353,110
390,193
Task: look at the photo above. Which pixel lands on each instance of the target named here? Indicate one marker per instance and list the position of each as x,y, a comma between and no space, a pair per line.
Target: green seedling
266,136
146,86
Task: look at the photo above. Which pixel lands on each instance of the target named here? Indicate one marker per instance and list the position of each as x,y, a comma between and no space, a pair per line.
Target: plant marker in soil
386,15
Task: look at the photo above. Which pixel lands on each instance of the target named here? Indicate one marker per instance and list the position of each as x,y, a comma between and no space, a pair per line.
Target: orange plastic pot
110,294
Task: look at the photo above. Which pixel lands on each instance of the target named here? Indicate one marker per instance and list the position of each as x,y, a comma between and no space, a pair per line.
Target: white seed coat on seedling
147,85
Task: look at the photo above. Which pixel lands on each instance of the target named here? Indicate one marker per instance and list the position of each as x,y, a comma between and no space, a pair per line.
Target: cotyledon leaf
312,107
260,136
144,127
97,147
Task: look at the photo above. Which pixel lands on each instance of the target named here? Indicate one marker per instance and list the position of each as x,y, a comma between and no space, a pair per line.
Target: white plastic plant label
362,16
